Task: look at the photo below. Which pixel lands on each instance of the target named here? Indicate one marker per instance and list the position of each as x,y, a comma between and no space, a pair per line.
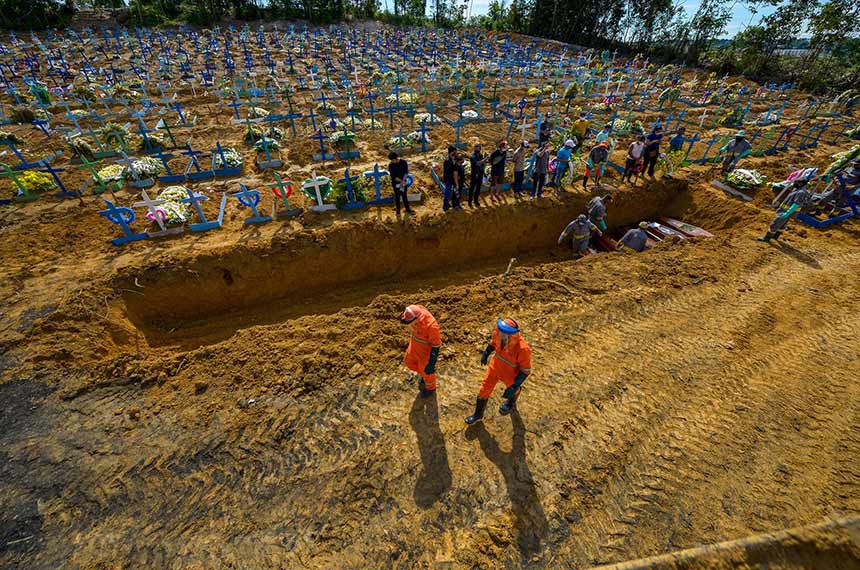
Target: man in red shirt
511,365
423,349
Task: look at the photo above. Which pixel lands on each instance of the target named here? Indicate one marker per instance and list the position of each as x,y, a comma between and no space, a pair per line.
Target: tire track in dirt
699,428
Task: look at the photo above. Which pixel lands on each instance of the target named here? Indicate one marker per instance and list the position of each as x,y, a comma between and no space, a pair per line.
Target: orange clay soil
236,399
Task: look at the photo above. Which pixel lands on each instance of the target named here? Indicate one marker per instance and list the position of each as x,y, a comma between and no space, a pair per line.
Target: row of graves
114,113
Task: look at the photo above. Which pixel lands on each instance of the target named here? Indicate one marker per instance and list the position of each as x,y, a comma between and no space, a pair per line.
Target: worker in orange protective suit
423,349
511,365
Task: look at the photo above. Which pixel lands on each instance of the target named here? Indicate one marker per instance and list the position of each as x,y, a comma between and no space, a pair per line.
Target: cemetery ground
236,399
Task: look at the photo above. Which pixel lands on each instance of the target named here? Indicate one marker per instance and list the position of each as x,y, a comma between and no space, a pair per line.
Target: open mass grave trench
324,270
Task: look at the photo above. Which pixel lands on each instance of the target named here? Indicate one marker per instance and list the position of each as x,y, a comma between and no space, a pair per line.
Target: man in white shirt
634,158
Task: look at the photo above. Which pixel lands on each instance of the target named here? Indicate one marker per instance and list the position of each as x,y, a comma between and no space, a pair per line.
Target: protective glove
792,209
431,364
511,391
486,356
602,224
745,153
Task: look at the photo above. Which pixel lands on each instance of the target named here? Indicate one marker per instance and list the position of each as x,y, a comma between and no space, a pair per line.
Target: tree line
660,29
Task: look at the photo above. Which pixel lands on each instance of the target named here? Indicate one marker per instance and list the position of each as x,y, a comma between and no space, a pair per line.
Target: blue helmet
508,326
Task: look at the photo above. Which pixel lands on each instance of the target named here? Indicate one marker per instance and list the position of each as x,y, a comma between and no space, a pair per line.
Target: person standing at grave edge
652,150
398,168
634,159
595,164
545,131
449,175
497,170
457,197
477,162
540,169
519,158
424,345
562,162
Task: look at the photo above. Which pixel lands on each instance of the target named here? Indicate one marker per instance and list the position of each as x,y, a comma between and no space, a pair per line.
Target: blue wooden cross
25,164
710,144
370,97
313,117
178,108
352,203
170,177
423,134
783,137
323,155
377,175
251,199
122,216
63,193
236,104
204,224
224,170
692,140
198,173
270,162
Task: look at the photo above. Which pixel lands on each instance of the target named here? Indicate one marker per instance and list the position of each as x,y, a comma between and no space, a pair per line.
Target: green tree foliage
34,14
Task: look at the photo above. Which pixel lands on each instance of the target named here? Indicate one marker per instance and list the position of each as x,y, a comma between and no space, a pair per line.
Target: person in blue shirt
603,135
562,163
676,143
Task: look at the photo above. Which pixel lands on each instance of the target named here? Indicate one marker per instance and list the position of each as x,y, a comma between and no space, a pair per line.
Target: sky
740,17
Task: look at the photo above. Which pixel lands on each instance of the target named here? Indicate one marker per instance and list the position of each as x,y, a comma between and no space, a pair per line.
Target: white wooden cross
312,78
316,184
158,215
523,128
702,121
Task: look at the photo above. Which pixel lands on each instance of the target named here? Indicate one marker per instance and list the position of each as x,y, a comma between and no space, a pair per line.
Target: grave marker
251,199
284,190
320,186
123,217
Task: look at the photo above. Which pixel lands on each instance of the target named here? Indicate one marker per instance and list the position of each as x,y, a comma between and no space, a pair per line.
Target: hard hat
508,326
740,134
408,315
569,142
607,198
643,225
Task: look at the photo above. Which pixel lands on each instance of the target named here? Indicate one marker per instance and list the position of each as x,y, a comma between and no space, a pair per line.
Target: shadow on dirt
530,523
435,477
800,256
21,419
